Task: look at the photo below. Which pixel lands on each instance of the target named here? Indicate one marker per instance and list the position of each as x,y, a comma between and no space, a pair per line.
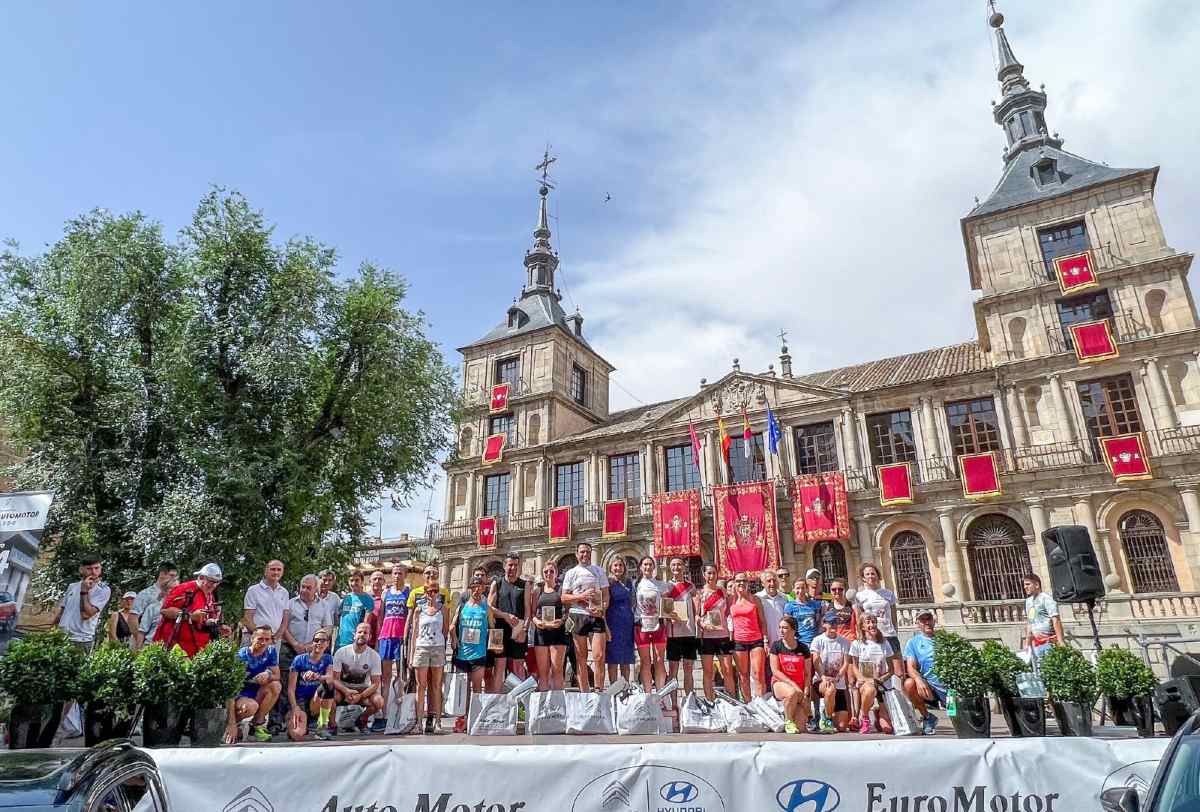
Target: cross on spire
544,167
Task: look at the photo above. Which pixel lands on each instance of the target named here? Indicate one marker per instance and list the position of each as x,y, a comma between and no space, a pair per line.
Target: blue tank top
473,632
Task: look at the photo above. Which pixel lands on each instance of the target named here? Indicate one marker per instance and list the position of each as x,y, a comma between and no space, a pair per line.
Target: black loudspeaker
1074,570
1176,700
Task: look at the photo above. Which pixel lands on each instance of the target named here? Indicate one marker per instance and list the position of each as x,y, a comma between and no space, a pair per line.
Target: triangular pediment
737,390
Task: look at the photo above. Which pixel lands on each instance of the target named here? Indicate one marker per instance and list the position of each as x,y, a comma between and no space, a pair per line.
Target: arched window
1033,399
495,569
1176,372
998,557
565,563
1016,335
830,558
466,442
910,563
1147,553
1154,307
533,430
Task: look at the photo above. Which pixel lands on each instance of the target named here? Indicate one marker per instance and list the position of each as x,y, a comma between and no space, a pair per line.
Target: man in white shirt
1044,628
147,606
305,617
266,602
78,613
358,675
773,603
327,595
585,591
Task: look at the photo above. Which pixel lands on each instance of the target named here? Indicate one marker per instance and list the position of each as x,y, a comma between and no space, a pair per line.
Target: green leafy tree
224,397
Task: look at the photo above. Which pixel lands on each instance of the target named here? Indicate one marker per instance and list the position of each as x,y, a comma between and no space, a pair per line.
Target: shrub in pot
1129,684
40,672
106,687
160,679
215,676
1024,716
1071,683
961,668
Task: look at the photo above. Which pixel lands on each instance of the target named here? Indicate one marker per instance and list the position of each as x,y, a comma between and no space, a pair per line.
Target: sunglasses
838,589
431,574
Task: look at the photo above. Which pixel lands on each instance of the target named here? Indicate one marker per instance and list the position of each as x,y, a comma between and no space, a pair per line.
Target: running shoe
379,725
790,727
865,726
323,735
460,724
261,733
929,724
429,725
811,725
826,724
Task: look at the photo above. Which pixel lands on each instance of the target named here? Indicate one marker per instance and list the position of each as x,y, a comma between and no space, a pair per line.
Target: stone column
1191,506
539,497
1163,409
850,439
648,474
1062,414
444,574
449,511
472,508
866,547
592,490
712,454
929,435
787,452
1087,517
954,565
1016,414
1037,517
516,501
1007,438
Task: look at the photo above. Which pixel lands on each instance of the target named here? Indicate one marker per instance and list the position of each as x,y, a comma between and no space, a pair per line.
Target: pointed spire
1021,111
540,261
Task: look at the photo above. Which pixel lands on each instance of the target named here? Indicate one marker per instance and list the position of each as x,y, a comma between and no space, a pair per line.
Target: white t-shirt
872,653
773,611
1039,609
645,603
357,669
78,629
878,602
832,654
268,604
581,578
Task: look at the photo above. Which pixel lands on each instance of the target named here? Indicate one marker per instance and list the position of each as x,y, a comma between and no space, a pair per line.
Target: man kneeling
357,675
262,686
310,690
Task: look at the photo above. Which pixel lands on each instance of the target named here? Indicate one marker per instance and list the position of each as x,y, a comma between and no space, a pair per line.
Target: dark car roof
29,777
21,766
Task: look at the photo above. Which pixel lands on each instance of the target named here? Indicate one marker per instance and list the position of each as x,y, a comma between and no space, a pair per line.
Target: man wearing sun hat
191,615
922,685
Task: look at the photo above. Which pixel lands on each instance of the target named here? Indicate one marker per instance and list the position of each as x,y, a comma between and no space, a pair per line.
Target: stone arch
886,533
564,563
1154,308
997,557
831,558
466,442
1016,336
533,429
1012,512
1168,514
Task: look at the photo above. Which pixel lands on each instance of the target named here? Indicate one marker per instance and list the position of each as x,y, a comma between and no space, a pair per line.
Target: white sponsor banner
931,775
24,511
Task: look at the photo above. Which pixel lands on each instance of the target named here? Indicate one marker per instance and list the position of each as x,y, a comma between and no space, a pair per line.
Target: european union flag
773,433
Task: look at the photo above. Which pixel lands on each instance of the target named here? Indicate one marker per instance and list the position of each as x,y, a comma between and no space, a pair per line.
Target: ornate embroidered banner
819,508
676,524
1094,341
493,448
895,484
980,475
1126,457
614,519
560,523
746,536
488,532
499,398
1075,272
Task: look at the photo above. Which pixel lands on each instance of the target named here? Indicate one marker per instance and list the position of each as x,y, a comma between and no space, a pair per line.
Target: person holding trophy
650,624
549,638
585,593
715,642
870,659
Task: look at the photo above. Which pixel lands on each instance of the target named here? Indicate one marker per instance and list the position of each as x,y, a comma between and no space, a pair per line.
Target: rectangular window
1062,241
496,489
682,475
504,424
568,484
625,476
743,468
1109,408
1093,307
578,384
506,371
891,437
974,427
816,448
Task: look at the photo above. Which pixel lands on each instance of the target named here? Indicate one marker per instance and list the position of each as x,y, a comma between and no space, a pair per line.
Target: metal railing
1179,440
482,396
1049,455
1103,257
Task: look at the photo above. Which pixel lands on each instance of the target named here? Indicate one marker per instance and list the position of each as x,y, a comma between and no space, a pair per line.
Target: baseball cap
924,613
129,594
210,571
478,580
832,619
811,572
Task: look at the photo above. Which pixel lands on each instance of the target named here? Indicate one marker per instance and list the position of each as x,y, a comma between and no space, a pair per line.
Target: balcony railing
1179,440
482,396
1103,256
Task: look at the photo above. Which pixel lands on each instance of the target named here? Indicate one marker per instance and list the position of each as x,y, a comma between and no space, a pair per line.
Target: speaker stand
1091,607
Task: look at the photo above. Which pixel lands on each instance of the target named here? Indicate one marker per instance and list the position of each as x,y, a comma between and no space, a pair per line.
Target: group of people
826,653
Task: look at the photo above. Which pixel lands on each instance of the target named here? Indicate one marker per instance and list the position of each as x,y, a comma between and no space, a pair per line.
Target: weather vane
544,167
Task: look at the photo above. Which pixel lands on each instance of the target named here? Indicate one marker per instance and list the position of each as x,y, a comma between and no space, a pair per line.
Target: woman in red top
712,616
789,674
749,634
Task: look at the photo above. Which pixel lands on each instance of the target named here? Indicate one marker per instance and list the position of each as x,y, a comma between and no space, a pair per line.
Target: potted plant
1024,716
40,672
1071,683
106,687
965,675
1129,685
215,677
160,679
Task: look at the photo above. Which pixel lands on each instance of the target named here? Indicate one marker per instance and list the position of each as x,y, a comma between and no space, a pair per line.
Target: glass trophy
548,614
714,618
495,640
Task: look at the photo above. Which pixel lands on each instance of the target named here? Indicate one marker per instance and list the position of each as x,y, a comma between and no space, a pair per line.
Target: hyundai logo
678,792
807,795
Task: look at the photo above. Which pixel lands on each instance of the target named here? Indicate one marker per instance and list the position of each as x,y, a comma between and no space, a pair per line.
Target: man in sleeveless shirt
511,599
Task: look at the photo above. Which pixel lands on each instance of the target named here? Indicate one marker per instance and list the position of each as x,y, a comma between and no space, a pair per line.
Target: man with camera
191,616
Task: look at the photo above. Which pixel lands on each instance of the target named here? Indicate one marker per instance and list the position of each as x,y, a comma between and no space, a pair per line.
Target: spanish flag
725,441
747,436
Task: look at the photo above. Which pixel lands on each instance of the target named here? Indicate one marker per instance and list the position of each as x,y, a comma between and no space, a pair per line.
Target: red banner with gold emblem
499,400
1126,457
747,538
493,448
820,511
488,528
676,524
1075,272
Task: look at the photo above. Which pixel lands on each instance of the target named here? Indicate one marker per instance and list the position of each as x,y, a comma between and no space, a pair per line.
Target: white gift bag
546,713
401,710
455,690
698,715
492,715
901,710
739,718
590,714
347,717
638,714
769,711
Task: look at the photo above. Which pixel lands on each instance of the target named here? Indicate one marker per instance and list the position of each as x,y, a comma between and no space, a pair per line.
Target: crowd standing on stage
828,658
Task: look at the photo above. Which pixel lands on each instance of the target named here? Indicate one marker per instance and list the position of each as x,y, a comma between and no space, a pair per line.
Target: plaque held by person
549,614
495,640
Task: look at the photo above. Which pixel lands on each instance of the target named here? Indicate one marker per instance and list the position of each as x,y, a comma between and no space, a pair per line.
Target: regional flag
696,452
773,432
747,436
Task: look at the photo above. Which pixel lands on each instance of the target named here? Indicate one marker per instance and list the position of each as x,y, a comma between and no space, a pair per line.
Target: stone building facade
1018,389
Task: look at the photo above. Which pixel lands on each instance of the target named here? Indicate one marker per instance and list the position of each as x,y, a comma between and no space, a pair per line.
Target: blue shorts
391,648
249,691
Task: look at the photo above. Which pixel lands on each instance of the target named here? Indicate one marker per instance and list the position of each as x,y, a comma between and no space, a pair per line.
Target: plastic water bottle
951,704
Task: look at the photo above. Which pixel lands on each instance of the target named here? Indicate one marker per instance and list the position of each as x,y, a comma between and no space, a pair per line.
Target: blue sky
797,165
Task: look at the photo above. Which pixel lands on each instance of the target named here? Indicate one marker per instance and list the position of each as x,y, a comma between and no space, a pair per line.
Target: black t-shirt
791,660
